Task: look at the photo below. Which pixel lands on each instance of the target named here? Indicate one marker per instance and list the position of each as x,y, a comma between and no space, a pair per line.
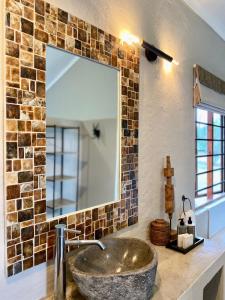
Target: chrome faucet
60,258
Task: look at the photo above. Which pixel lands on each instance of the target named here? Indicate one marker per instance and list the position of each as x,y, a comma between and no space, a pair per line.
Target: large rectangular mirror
82,133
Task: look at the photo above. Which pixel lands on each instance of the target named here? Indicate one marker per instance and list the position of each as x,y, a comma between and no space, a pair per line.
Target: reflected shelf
59,178
60,203
61,153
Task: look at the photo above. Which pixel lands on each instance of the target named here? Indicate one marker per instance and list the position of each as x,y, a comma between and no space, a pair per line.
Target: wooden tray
173,245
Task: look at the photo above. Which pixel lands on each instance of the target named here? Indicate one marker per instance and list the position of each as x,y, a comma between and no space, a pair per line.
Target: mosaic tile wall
30,26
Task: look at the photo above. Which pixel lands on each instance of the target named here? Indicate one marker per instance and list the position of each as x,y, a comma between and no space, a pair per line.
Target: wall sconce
151,52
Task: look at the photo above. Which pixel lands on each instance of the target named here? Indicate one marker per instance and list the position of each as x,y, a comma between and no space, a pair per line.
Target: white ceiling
58,63
80,89
212,12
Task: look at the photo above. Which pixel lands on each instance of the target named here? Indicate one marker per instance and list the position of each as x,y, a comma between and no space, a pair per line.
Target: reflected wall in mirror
82,133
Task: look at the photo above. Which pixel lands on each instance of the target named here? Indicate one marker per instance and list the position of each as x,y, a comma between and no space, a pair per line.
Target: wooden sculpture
169,189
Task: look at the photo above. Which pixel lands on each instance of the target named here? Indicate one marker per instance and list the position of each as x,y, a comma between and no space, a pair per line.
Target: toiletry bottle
181,228
191,228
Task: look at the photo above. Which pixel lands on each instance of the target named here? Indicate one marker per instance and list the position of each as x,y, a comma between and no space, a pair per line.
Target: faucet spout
98,243
60,258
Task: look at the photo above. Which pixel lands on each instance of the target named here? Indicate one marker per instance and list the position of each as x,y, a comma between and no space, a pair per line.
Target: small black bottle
191,228
181,228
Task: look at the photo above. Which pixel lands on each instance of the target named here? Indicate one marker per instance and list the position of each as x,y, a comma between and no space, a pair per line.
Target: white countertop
178,274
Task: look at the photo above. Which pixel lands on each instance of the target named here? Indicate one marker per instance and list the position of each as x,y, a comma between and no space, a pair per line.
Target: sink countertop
176,273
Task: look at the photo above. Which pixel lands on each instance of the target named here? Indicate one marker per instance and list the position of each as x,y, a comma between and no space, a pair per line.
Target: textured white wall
166,114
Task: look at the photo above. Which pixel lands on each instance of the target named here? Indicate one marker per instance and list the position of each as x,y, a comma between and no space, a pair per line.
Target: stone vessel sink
125,270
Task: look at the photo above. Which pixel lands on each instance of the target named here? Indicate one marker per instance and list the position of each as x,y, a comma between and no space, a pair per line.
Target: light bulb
129,38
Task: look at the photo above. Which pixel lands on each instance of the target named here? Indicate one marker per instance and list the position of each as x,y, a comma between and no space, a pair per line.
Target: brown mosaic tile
30,25
40,207
19,204
13,191
11,206
15,231
28,13
28,248
26,59
39,159
9,34
27,233
39,62
18,249
8,166
27,263
40,89
13,7
17,267
10,270
28,73
12,111
39,257
24,139
17,165
62,16
25,176
41,35
27,26
12,49
40,7
25,215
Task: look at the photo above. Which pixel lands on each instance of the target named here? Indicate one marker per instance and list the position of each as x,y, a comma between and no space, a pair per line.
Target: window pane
202,182
216,119
217,188
217,133
217,176
211,136
217,162
202,115
201,164
217,147
202,148
202,131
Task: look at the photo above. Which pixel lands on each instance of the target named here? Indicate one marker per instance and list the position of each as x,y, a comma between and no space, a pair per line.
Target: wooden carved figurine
169,189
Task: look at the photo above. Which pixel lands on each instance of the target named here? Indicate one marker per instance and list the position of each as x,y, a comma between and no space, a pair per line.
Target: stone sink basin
125,270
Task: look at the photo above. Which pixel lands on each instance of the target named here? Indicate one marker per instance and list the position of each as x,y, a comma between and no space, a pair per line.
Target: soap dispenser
181,228
191,228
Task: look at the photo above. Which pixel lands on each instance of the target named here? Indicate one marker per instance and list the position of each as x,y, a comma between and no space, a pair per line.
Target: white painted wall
102,163
166,114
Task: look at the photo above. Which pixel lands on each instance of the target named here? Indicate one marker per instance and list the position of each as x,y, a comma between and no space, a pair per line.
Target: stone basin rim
141,270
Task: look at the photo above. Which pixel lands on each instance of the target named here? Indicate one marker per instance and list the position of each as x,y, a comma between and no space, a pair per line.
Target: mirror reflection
82,133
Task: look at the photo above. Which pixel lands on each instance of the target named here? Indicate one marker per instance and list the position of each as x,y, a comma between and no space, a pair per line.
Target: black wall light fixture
151,53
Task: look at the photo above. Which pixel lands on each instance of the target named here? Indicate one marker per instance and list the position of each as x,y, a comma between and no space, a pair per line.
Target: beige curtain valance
209,90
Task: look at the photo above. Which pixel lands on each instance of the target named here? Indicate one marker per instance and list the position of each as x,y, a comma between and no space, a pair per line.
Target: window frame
209,193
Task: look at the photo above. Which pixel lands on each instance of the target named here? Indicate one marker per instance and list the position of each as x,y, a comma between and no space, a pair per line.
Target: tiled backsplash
30,26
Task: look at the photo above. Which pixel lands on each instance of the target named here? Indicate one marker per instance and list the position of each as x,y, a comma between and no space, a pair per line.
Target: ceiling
58,63
212,12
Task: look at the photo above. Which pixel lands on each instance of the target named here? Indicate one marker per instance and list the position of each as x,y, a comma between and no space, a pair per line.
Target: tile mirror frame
30,26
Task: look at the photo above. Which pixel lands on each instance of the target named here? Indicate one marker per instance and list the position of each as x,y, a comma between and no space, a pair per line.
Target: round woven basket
159,232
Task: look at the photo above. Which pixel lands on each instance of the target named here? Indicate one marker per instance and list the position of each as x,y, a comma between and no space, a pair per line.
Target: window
210,153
